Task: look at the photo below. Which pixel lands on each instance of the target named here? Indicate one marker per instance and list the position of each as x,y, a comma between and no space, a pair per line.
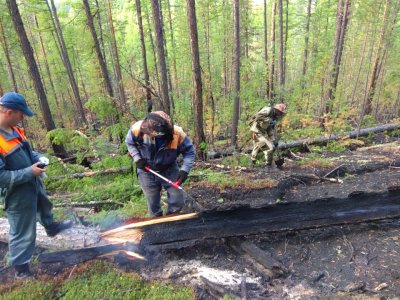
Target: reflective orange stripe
6,146
179,135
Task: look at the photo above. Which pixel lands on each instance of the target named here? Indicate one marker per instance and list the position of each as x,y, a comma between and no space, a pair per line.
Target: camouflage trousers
262,143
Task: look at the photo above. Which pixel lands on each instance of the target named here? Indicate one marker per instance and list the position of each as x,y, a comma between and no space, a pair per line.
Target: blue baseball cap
13,100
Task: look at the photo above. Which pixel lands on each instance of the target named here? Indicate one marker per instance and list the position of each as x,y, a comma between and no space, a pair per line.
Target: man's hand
275,143
182,176
141,163
37,170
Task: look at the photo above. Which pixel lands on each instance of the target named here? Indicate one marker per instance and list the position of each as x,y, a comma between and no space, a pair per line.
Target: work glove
272,124
141,164
182,176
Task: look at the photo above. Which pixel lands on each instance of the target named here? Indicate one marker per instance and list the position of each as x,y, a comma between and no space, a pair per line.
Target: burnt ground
359,261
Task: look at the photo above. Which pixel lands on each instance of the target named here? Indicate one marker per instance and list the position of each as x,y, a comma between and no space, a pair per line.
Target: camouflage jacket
262,121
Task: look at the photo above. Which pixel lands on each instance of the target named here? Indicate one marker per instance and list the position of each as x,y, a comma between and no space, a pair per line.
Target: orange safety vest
8,146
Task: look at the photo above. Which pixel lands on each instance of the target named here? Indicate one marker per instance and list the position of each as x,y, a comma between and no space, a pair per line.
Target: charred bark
165,233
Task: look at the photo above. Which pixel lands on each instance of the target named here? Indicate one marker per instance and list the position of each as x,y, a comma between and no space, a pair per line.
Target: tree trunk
379,56
286,39
306,41
157,75
265,33
161,55
199,138
117,66
171,32
66,61
144,57
342,18
53,89
271,91
360,65
4,43
236,104
210,96
100,58
101,39
170,87
385,55
280,55
34,73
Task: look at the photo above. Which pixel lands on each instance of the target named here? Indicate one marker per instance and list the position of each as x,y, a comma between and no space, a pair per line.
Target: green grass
237,160
315,159
98,281
29,291
230,180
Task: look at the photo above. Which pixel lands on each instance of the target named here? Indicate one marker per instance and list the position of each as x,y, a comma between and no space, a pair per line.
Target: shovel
175,185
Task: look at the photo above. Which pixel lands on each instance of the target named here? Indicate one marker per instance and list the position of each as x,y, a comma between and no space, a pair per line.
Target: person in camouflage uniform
263,130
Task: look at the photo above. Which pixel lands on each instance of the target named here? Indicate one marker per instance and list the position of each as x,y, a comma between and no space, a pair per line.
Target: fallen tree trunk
319,141
174,232
250,221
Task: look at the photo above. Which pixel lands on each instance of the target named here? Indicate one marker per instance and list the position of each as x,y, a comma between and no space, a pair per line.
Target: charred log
273,218
273,267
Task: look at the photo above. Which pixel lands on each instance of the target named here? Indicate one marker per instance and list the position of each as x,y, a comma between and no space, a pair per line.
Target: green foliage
120,188
112,162
369,121
237,160
335,147
104,107
394,133
203,146
71,139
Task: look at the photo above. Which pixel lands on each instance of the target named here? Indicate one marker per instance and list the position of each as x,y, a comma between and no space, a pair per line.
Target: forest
323,225
210,64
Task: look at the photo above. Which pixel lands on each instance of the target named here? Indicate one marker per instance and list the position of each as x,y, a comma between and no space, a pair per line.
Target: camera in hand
41,166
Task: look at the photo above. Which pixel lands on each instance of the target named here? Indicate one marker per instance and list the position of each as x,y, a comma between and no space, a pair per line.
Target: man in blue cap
25,198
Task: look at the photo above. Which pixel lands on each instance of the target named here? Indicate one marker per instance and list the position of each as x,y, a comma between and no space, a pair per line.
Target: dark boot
57,227
23,272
